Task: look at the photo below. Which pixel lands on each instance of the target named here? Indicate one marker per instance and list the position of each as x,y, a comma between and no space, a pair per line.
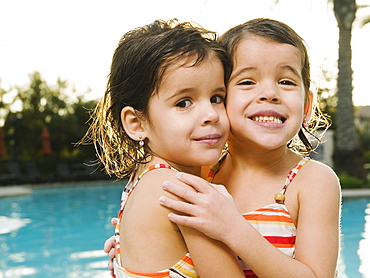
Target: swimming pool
59,232
354,261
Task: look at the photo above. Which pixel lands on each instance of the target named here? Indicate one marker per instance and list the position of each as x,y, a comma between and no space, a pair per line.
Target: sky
75,39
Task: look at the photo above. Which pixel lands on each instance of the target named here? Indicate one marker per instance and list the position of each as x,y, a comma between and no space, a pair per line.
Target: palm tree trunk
348,157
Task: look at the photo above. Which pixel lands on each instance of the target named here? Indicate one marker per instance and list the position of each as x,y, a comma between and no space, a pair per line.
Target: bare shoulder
143,208
321,171
150,188
150,185
319,179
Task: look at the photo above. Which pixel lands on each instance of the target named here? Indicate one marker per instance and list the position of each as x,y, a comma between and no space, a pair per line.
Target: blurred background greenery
40,125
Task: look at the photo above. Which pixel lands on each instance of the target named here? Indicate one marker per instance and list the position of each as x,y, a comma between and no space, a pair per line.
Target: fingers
114,221
183,220
109,247
112,253
180,206
197,183
110,265
180,191
109,244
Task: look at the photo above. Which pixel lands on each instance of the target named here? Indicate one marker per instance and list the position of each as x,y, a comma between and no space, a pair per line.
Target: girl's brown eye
217,99
287,82
183,103
246,82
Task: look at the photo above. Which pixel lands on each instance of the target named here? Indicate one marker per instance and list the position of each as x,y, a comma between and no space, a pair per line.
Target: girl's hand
110,247
114,221
209,209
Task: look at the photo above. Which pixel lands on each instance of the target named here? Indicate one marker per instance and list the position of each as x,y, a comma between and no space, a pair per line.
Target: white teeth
267,119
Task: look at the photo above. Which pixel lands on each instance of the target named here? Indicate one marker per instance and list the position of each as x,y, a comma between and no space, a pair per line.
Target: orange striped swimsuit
182,269
273,221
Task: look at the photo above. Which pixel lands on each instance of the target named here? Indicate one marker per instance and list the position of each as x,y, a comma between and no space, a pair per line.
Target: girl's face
266,96
187,123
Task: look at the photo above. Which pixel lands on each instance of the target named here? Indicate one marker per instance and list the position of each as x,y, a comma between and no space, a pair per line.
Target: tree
348,155
57,108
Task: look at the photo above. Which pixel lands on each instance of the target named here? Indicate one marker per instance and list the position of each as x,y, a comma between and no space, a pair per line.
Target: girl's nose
269,94
210,114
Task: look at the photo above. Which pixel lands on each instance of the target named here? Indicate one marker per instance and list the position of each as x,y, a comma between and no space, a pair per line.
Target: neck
244,157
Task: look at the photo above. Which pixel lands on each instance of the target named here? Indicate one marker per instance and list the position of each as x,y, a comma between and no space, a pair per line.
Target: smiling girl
280,212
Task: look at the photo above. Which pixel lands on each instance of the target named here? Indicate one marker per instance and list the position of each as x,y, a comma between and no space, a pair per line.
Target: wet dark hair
277,31
137,68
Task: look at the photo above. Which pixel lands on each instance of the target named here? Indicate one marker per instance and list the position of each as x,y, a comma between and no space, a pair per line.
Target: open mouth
268,119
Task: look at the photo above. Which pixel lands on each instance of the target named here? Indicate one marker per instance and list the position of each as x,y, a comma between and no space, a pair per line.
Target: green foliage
364,132
367,156
348,182
57,108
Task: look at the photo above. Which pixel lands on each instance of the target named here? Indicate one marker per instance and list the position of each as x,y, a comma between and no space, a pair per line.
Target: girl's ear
132,124
308,106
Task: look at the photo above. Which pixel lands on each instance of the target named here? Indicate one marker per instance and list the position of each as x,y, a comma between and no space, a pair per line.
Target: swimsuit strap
126,193
213,169
150,168
295,170
153,167
280,197
131,185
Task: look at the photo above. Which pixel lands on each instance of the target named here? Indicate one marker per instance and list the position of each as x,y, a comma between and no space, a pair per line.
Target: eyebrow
180,92
291,69
249,69
246,69
186,91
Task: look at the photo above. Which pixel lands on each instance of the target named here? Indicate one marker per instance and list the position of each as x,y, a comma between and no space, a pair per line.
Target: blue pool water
59,232
355,244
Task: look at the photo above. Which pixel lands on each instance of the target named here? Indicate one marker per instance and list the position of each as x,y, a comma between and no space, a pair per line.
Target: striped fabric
276,226
273,221
182,269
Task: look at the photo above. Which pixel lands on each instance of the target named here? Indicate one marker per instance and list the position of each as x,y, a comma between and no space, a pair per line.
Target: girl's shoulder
149,186
318,179
153,176
154,170
142,202
320,171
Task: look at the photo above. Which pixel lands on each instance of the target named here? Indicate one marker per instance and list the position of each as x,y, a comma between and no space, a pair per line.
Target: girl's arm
148,226
211,257
213,211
